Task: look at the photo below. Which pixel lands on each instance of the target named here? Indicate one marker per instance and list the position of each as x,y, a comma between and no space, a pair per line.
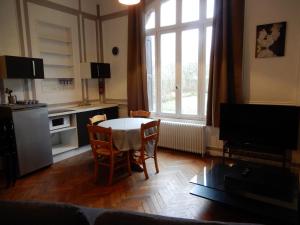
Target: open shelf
52,52
58,65
62,129
57,149
55,39
65,139
56,48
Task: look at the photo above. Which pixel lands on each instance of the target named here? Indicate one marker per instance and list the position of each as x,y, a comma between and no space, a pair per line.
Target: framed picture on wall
270,40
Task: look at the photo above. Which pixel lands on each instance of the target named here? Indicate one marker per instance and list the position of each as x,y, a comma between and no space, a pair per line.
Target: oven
59,122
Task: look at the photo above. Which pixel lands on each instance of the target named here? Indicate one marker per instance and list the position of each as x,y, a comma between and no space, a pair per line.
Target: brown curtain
225,78
136,62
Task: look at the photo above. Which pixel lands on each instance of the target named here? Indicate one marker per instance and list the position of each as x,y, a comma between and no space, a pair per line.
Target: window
150,18
178,45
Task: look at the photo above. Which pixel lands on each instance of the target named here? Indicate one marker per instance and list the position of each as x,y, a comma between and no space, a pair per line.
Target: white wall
272,80
88,6
9,28
49,90
115,34
91,55
69,3
110,6
9,41
268,81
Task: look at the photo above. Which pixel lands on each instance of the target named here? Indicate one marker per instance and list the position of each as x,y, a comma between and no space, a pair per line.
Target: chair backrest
100,139
150,132
140,113
97,119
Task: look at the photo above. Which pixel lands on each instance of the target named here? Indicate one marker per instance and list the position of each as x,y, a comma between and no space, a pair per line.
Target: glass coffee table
262,189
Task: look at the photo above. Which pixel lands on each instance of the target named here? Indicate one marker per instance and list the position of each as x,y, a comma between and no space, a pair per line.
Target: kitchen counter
58,111
68,127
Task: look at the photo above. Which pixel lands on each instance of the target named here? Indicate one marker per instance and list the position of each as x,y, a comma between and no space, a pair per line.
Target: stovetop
27,102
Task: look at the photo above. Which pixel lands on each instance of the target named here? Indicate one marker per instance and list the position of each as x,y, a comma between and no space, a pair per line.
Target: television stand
255,151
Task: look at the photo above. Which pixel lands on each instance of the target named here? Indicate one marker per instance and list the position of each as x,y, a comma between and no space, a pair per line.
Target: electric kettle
12,99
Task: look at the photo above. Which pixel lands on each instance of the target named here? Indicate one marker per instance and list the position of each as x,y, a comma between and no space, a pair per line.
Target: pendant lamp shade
129,2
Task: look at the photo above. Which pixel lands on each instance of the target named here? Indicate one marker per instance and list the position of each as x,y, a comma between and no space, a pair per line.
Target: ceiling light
129,2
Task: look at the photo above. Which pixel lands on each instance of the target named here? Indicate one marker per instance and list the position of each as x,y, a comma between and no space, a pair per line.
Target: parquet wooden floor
165,193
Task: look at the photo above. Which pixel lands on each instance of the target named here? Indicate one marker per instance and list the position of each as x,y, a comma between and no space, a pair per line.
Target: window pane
190,10
168,13
210,8
208,39
151,79
189,72
168,77
150,20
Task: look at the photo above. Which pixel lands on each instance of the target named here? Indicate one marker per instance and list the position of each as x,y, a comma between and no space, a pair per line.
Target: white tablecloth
126,132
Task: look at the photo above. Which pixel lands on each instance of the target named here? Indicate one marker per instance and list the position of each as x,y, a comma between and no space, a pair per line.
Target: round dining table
126,132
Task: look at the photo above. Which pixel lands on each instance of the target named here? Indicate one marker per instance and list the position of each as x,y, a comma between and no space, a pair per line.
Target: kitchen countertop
58,111
15,107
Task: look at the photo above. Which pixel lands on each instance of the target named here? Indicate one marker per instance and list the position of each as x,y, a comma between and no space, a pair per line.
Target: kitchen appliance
27,102
59,122
32,135
12,99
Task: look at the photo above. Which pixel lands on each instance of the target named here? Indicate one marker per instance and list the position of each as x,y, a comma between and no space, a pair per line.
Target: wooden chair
104,153
149,135
140,113
97,119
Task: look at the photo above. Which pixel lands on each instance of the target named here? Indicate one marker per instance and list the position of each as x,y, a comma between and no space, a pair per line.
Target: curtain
136,61
225,77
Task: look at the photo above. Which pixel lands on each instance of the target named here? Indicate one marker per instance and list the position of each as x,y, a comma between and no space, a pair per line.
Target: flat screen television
260,125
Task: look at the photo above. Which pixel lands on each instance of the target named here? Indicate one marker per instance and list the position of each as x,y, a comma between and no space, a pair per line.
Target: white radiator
182,136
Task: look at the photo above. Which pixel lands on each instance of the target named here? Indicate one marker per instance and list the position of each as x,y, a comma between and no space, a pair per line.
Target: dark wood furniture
250,150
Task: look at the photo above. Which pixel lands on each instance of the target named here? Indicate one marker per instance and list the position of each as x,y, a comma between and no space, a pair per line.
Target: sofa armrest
118,217
37,213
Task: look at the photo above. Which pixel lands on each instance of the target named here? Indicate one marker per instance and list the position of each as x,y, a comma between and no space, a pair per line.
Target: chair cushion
107,152
40,213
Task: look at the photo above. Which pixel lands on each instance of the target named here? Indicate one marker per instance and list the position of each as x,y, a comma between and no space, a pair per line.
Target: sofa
43,213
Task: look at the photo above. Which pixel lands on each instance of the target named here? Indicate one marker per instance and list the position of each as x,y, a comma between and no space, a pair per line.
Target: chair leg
145,168
128,163
96,171
156,164
111,170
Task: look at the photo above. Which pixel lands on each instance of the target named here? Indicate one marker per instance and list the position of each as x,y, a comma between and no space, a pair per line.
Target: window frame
157,31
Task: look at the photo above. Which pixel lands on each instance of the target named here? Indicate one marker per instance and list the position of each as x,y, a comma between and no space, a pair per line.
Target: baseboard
213,151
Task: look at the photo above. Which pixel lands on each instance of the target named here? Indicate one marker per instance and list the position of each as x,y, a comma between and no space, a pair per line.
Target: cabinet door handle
97,70
33,67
